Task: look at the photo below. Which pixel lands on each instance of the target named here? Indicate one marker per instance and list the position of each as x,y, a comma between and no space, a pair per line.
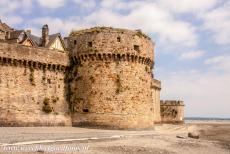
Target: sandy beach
162,139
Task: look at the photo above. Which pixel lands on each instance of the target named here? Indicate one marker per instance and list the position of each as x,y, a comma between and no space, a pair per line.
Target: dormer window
136,48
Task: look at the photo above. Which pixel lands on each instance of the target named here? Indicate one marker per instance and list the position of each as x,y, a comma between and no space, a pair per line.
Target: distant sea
187,119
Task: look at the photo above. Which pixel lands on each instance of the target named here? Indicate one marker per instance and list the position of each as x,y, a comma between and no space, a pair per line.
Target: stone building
53,41
105,79
172,111
4,30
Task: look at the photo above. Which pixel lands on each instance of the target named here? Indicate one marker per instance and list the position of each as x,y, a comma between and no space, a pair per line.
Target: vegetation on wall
46,106
118,84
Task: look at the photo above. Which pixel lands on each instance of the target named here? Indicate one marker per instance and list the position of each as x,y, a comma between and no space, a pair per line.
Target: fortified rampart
104,80
112,83
172,111
32,86
156,88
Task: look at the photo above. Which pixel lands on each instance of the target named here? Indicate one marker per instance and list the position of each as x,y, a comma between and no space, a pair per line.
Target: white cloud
150,18
218,22
85,4
12,20
52,4
191,55
187,6
219,63
7,6
204,93
146,16
57,24
8,11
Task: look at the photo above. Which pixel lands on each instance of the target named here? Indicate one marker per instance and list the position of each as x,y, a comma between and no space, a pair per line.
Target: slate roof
4,27
36,40
53,37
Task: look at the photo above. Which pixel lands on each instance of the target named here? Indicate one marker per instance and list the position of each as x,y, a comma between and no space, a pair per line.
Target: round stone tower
111,78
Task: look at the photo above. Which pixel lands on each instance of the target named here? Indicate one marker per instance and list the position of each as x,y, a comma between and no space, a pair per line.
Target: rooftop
109,29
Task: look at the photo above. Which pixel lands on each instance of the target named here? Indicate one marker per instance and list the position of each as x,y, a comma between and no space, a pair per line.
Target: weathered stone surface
105,80
24,86
112,86
156,87
194,135
172,111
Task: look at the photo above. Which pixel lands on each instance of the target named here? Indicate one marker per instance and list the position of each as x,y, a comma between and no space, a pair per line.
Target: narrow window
90,44
49,81
136,48
118,39
85,110
75,42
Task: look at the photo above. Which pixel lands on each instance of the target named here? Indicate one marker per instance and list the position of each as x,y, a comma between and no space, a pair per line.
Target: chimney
45,35
7,36
28,31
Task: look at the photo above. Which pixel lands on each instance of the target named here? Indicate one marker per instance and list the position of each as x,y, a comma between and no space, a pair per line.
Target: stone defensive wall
103,43
172,111
34,57
156,88
112,78
32,87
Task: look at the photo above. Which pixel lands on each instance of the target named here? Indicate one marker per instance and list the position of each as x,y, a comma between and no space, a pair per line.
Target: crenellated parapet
112,57
156,84
172,111
32,64
106,40
37,58
172,103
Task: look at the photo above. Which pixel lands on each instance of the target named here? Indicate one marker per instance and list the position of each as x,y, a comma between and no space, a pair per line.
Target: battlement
105,40
172,111
156,84
112,57
110,30
172,103
13,52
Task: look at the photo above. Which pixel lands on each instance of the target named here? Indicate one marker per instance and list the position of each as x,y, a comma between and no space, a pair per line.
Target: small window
136,48
75,42
90,44
118,39
85,110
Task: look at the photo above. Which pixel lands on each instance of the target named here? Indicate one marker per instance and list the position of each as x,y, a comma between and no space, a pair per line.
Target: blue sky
192,40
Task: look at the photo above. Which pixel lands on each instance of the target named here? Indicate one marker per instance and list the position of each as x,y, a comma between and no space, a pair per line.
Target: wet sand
164,139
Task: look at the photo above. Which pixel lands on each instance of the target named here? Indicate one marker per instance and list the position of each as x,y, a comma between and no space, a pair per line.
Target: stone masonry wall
156,88
112,78
32,87
172,111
